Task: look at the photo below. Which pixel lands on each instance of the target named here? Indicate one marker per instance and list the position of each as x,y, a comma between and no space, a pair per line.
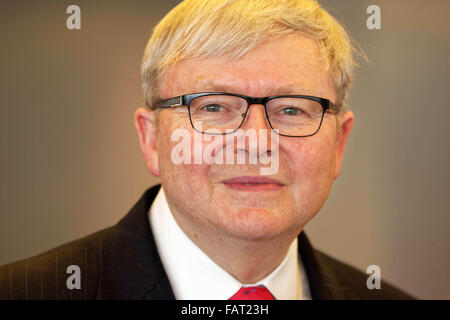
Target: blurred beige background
71,165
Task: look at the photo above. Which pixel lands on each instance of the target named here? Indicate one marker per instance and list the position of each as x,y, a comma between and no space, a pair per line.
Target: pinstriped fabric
44,277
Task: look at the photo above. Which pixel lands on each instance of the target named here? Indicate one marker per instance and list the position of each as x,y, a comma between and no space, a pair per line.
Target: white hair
199,29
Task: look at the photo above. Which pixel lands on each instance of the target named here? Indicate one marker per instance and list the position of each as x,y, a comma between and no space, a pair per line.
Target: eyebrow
209,85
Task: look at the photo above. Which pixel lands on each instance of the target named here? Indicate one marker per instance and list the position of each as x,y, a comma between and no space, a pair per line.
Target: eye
290,111
212,108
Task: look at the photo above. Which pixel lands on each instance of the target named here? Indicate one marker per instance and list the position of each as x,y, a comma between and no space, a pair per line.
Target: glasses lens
217,113
295,116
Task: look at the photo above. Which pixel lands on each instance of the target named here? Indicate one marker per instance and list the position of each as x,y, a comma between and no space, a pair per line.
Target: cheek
176,151
320,152
312,164
313,160
180,180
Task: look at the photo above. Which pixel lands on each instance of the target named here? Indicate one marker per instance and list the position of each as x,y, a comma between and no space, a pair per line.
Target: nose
256,118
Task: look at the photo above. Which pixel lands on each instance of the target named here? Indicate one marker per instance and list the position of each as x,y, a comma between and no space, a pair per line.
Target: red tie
253,293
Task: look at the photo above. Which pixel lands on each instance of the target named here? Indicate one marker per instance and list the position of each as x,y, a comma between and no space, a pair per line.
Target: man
276,73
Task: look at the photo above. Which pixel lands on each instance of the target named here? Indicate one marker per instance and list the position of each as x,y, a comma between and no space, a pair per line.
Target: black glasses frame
185,100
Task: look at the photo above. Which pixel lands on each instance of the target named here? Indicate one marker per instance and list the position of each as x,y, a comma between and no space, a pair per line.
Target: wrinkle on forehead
243,86
290,65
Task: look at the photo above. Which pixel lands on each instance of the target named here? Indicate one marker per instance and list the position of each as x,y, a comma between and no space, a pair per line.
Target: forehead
289,65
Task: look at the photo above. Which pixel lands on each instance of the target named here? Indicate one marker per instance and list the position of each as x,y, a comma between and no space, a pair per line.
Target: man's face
307,165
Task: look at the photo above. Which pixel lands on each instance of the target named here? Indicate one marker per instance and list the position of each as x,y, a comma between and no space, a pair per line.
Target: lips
248,183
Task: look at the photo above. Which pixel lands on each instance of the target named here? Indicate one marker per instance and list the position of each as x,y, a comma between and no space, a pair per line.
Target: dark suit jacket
122,262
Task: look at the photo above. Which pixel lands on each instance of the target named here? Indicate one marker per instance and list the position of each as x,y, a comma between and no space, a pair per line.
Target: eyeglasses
223,113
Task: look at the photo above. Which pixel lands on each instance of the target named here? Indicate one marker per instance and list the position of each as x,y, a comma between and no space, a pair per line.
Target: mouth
248,183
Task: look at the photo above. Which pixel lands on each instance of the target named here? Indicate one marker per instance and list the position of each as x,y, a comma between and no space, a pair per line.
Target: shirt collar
194,276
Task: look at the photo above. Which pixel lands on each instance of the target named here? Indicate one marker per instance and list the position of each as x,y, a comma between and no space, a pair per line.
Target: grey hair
199,29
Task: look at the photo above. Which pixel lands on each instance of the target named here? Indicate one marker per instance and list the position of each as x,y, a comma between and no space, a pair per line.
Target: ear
345,125
145,124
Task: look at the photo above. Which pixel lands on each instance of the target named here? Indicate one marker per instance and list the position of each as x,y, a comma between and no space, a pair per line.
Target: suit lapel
131,268
324,281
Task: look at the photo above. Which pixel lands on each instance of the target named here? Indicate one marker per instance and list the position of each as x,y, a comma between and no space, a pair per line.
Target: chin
254,224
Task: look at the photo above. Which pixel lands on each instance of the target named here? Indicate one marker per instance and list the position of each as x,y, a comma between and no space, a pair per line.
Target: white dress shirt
194,276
